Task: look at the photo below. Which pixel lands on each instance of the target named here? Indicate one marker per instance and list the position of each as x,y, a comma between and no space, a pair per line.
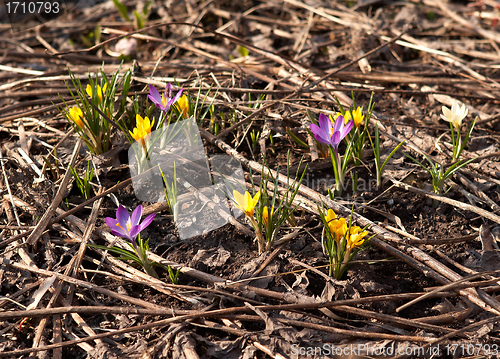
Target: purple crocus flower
163,102
331,134
126,226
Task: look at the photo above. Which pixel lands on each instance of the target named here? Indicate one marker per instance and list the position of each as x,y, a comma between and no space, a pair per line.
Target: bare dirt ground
263,65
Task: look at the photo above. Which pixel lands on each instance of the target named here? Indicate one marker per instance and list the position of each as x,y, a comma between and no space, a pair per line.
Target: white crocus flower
455,115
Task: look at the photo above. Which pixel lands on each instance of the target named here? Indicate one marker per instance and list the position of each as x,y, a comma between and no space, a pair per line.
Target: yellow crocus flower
358,116
142,130
183,105
99,91
338,228
245,202
356,239
265,215
76,114
330,215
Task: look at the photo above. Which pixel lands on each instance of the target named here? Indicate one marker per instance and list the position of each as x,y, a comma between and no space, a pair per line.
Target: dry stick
266,262
491,35
83,284
355,333
72,210
126,277
448,318
315,83
39,111
268,351
75,266
57,325
391,318
218,313
71,268
131,273
159,309
93,310
465,181
443,56
323,89
269,54
80,206
469,237
20,292
446,287
23,253
464,206
44,221
287,63
381,232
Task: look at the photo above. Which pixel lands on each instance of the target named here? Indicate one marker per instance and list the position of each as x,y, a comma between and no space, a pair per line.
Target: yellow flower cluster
357,114
99,91
338,229
142,131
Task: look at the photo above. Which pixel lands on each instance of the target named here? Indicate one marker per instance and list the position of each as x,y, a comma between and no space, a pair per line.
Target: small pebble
171,238
390,202
299,244
316,245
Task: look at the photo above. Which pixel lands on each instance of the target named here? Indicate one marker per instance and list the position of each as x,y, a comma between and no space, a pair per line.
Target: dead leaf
212,258
328,292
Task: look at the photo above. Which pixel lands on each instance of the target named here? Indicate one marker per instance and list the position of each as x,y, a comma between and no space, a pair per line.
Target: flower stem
337,168
345,261
143,257
459,145
261,242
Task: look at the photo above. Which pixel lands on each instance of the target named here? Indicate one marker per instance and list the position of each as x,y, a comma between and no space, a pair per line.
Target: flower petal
319,134
347,128
339,123
89,90
324,123
330,215
445,118
111,222
135,219
248,202
134,231
174,100
154,95
239,199
447,112
122,216
117,231
169,87
147,221
255,199
335,140
464,111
